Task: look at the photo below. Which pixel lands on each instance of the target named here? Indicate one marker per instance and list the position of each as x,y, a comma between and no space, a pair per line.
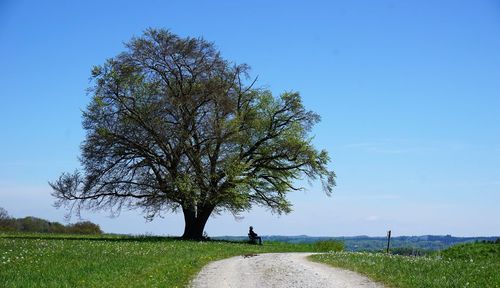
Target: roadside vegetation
464,265
328,246
57,260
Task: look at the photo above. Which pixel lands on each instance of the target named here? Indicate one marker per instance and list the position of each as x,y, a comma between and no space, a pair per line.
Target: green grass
47,260
474,252
466,265
328,246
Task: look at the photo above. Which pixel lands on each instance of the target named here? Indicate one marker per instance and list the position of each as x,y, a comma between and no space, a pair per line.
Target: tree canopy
172,126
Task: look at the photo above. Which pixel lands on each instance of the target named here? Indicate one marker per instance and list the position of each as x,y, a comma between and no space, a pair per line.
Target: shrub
85,227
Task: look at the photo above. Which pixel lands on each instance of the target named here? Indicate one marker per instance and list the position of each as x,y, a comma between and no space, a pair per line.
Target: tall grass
328,246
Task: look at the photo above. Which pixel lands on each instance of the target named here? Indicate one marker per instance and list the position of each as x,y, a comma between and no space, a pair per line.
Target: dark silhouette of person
254,236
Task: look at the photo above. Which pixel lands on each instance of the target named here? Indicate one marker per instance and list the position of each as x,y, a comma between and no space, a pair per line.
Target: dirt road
291,270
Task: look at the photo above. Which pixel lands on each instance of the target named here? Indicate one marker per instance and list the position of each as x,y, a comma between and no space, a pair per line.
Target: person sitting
253,236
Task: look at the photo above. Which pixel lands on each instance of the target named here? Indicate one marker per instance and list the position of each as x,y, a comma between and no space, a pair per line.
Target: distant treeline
33,224
413,245
497,241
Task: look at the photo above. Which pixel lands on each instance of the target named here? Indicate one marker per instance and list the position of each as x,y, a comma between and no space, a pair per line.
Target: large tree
173,126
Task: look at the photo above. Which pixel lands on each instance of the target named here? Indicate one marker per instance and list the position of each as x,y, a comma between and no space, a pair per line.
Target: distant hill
366,243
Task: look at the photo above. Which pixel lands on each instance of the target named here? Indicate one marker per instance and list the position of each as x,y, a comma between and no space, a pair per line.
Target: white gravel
291,270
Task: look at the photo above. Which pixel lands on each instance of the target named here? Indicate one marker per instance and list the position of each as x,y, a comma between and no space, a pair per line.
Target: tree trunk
195,223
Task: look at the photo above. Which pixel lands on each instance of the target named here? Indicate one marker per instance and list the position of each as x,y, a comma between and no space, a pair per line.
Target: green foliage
43,260
469,265
85,227
172,124
329,246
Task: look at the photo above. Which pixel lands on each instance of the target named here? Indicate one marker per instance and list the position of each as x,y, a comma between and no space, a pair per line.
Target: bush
328,246
85,227
56,227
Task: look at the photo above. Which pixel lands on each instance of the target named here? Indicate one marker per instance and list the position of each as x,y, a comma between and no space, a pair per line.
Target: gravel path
291,270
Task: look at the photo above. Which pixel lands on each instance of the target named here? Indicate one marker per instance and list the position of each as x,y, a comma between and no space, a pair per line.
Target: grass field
466,265
47,260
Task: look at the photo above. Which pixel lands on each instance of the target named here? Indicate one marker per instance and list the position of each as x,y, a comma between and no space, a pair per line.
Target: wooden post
388,240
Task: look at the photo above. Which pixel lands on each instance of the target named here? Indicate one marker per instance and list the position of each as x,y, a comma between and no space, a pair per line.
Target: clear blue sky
408,92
